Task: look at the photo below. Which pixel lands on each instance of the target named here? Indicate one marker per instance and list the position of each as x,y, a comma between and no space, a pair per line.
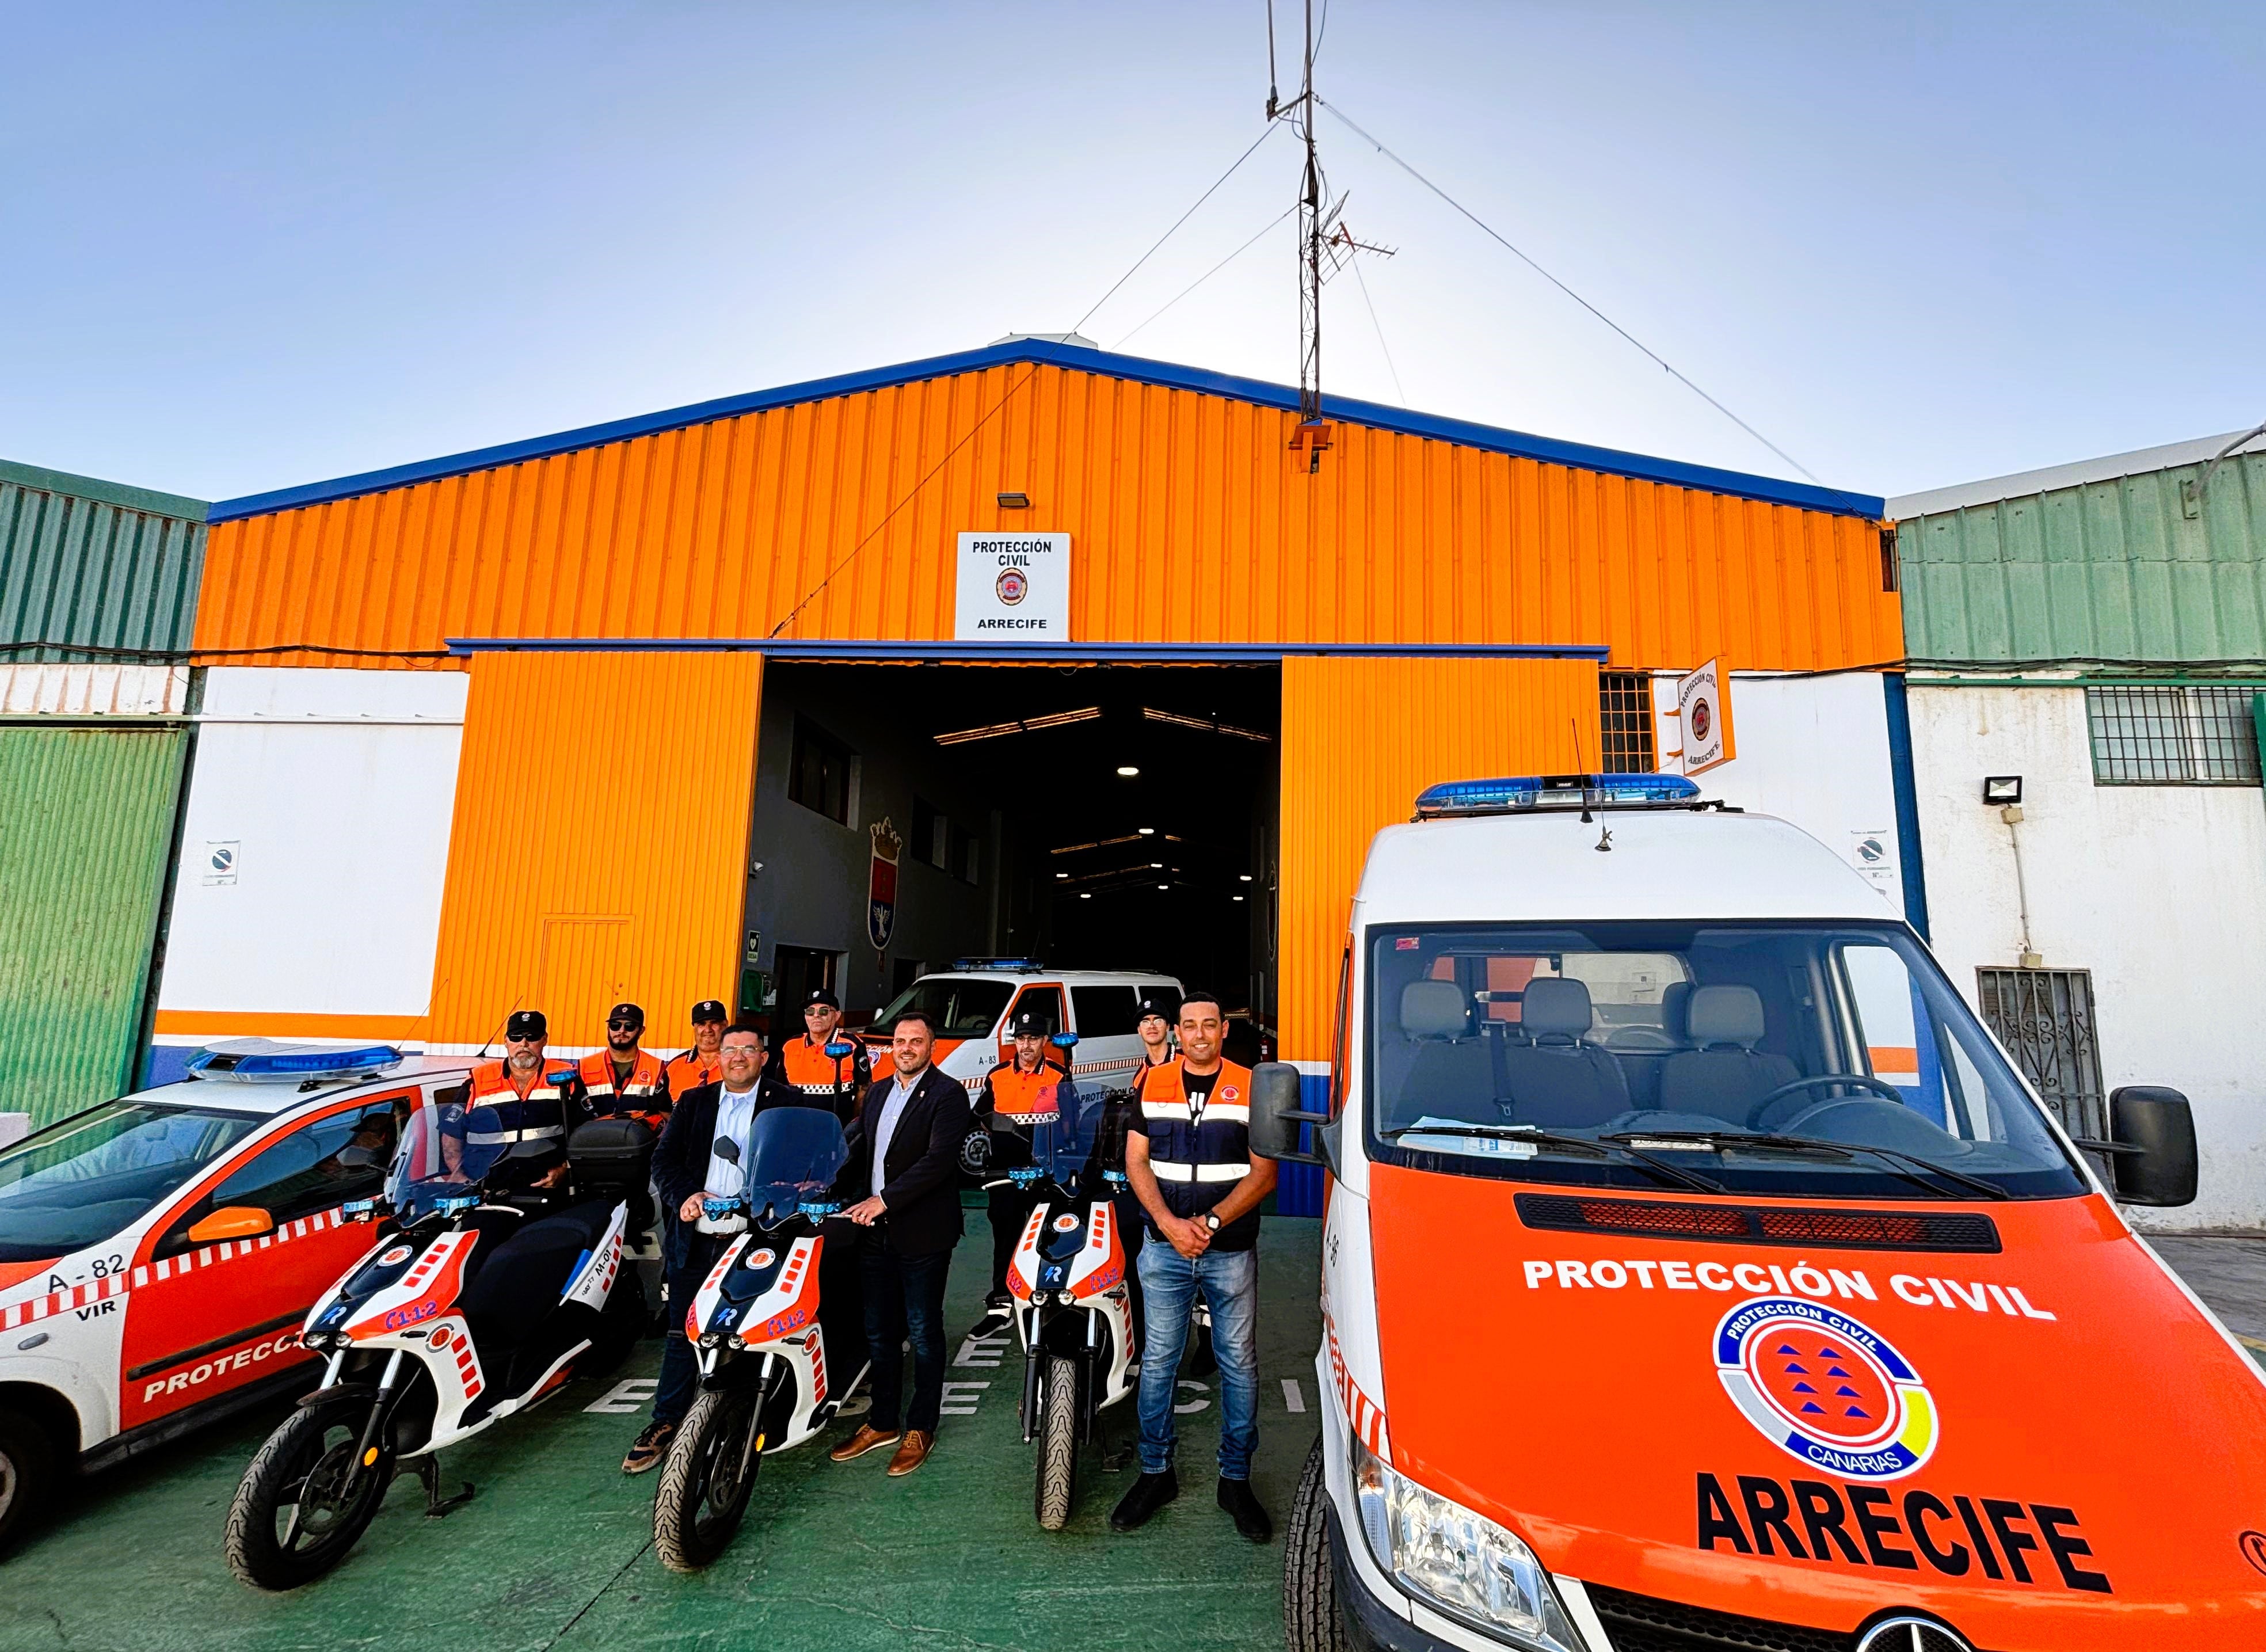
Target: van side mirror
1276,1115
2154,1129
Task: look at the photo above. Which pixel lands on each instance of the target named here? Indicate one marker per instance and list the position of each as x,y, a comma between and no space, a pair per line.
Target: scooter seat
528,1272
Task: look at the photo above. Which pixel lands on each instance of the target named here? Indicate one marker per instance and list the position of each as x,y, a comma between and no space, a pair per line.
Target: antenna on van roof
499,1025
1582,763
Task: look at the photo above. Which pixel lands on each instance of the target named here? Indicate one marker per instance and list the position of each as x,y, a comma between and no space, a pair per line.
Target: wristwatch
1211,1220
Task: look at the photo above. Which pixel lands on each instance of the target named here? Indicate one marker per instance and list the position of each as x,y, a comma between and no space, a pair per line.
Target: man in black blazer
686,1166
903,1171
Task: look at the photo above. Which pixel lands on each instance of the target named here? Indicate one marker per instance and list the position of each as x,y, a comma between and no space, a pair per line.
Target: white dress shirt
736,1110
885,1124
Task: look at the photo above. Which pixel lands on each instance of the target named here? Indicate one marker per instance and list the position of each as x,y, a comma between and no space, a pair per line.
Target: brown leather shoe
911,1455
867,1439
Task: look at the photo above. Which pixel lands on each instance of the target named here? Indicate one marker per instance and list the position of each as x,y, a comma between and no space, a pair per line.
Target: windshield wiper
1909,1165
1660,1167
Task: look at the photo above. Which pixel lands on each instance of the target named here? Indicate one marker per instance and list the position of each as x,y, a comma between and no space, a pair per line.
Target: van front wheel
1311,1622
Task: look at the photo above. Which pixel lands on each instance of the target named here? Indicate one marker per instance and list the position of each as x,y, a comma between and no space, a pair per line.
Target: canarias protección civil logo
1825,1388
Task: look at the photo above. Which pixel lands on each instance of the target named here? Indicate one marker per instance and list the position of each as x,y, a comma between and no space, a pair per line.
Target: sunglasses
523,1041
624,1027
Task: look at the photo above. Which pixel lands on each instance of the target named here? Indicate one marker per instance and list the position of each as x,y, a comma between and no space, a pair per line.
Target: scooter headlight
1459,1563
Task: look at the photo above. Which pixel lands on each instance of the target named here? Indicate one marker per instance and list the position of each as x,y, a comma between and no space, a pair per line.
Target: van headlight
1461,1562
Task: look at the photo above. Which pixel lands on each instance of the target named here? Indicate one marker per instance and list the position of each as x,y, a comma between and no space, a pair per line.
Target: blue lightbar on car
997,963
1516,793
259,1058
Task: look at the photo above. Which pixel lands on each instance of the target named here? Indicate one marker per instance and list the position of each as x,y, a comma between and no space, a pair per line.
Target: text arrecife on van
1822,1284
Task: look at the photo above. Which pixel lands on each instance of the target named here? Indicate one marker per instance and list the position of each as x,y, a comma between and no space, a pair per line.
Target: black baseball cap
629,1012
1030,1024
1164,1009
820,995
710,1010
526,1024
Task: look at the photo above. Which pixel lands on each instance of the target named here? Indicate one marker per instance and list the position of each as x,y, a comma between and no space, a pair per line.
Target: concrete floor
555,1549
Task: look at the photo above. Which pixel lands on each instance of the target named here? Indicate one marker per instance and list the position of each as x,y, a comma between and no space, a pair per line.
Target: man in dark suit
685,1168
903,1171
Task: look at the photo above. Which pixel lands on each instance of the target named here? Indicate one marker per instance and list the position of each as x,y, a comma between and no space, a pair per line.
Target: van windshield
959,1007
1790,1058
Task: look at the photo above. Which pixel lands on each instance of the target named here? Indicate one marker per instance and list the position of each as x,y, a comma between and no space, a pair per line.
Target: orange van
1697,1274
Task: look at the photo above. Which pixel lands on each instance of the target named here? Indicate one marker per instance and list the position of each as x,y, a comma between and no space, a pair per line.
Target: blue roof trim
1139,369
1077,652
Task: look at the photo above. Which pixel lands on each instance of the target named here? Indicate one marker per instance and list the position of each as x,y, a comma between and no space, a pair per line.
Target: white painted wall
342,832
2159,890
1814,751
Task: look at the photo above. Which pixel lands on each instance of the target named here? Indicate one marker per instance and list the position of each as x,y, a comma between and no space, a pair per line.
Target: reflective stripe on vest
498,1138
1167,1171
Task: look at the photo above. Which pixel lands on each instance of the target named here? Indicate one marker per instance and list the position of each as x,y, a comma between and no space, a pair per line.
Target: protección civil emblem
881,885
1825,1388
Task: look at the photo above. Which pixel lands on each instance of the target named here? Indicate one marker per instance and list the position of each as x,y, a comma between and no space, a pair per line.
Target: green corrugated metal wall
95,564
2112,571
86,833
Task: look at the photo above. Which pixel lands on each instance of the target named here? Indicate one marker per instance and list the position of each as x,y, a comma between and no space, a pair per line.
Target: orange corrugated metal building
1426,569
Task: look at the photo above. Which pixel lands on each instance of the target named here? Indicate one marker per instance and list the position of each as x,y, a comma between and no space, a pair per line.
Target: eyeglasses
748,1050
621,1027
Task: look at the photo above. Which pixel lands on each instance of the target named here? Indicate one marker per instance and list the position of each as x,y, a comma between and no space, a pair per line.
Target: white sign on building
1704,709
1013,588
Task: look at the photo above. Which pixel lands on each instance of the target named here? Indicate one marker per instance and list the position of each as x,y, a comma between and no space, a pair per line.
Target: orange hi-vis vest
1027,1098
690,1071
810,1070
646,1091
534,1119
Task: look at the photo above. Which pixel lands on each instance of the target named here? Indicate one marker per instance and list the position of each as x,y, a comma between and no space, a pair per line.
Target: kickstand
436,1506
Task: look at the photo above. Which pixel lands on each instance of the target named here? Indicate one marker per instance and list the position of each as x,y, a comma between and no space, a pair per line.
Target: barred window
1624,722
2173,736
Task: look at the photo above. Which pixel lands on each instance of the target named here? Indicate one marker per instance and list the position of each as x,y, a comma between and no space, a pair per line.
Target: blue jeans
904,1302
1169,1283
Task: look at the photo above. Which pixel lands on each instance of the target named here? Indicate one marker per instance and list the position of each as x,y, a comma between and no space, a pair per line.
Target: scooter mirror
728,1149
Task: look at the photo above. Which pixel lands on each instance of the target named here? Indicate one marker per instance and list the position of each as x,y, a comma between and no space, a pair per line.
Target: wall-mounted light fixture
1014,502
2001,789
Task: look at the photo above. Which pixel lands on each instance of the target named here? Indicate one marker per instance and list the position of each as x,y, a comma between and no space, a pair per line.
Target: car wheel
1311,1619
28,1472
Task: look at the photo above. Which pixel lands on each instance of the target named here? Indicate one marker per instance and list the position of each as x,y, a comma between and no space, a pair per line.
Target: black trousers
1011,1209
904,1302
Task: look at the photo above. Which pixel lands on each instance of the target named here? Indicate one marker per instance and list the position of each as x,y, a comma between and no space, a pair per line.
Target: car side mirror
232,1222
1276,1115
2153,1128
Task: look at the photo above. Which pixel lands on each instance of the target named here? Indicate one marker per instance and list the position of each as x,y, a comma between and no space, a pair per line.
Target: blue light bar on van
998,963
1517,792
258,1059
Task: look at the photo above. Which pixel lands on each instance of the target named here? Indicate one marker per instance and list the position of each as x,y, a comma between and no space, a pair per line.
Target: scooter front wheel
706,1479
307,1498
1058,1443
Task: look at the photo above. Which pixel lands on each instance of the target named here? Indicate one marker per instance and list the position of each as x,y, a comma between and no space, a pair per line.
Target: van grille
1638,1623
1750,1225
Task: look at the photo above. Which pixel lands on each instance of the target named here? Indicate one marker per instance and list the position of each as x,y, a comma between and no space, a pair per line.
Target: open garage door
1361,738
600,840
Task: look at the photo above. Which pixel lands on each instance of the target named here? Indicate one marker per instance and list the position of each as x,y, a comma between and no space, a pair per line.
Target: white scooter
483,1303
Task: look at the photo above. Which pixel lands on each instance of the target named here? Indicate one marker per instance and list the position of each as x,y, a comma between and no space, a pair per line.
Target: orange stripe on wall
1361,738
1190,520
286,1024
600,843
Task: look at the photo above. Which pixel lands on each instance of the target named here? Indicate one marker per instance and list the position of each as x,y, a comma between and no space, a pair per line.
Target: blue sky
251,245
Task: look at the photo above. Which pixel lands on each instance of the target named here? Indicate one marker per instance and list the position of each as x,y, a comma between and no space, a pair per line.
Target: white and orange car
158,1253
1698,1273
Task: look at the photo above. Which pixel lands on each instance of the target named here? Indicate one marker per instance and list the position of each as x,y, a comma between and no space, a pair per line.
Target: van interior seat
1440,1066
1642,1061
1561,1080
1723,1076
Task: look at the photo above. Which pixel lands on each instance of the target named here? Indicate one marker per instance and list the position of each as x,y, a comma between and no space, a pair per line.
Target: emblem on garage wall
881,885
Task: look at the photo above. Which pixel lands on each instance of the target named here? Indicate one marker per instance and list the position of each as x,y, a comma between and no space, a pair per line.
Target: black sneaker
649,1447
1149,1494
998,1313
1250,1519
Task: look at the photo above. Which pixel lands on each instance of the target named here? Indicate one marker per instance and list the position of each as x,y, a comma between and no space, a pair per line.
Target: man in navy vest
1191,1165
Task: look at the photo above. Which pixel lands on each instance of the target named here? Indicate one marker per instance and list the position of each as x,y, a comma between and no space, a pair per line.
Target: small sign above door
1013,588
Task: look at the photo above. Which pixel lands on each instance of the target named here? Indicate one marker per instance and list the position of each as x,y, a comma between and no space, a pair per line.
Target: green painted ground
555,1550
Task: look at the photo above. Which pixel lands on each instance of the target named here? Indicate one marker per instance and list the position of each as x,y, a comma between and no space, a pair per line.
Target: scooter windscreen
446,1152
791,1158
1060,1148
